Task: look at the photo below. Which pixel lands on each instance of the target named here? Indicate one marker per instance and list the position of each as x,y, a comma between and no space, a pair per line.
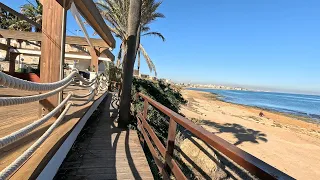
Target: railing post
145,113
52,50
170,144
12,62
145,109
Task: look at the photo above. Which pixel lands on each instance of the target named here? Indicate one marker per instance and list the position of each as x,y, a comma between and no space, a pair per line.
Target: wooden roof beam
105,51
35,36
19,15
68,55
67,3
91,14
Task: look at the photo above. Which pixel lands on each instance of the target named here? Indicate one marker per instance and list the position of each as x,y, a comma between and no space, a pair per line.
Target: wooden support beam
12,62
94,59
52,49
68,55
105,51
67,3
91,14
19,15
35,36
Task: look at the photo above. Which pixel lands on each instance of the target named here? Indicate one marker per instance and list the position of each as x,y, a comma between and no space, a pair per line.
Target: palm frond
145,29
115,12
155,34
151,66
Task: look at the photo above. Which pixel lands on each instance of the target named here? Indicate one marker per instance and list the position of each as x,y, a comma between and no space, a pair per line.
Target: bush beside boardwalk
198,166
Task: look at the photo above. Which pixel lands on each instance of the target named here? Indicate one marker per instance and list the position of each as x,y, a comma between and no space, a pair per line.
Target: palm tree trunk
138,38
133,24
137,46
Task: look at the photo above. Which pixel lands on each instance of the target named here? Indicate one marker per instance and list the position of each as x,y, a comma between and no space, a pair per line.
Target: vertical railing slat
170,144
145,114
145,109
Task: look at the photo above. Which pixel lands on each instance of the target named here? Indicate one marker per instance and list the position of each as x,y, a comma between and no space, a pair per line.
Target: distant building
152,78
136,73
145,76
165,80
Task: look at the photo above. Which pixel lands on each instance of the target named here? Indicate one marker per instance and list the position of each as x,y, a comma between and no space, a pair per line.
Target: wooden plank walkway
15,117
106,152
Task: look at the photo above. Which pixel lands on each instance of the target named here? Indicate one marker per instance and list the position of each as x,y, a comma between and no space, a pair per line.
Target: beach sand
283,141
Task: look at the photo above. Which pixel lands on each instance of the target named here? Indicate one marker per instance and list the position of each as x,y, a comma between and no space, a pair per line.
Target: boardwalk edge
53,165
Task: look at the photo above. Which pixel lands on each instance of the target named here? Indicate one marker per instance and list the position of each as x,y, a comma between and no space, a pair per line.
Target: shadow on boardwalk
103,151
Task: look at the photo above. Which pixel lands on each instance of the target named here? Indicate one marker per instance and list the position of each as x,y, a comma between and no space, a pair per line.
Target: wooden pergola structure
53,39
100,54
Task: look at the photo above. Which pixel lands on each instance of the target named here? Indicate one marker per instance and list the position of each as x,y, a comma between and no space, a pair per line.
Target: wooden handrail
249,162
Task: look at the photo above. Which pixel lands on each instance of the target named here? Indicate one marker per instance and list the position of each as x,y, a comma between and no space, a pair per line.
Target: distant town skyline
255,88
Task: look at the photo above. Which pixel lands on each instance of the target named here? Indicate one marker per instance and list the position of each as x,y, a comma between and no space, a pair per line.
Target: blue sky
264,44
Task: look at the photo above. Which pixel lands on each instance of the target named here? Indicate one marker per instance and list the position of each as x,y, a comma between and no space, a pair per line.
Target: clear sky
266,44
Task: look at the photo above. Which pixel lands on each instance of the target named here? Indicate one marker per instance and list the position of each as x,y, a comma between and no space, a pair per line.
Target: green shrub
162,93
166,95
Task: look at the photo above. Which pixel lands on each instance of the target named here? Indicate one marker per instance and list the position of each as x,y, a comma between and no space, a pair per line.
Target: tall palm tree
134,20
116,13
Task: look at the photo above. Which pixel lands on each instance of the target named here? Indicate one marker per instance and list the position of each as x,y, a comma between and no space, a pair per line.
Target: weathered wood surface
15,117
91,14
106,152
94,59
52,50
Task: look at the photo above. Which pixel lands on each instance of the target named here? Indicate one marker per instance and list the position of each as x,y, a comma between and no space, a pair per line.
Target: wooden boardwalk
106,152
110,153
16,117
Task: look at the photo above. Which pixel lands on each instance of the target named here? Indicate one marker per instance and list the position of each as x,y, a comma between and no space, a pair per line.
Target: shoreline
279,139
291,115
296,120
296,116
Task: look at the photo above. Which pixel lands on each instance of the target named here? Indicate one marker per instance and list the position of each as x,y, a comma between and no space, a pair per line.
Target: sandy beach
288,143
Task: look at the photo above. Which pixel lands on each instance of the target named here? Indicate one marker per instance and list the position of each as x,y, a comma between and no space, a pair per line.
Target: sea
296,104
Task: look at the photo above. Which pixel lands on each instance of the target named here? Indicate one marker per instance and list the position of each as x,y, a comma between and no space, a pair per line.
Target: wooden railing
254,165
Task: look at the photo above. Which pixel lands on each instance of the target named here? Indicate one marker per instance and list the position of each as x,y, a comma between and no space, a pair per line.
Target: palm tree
19,25
4,19
116,13
10,21
33,12
134,20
